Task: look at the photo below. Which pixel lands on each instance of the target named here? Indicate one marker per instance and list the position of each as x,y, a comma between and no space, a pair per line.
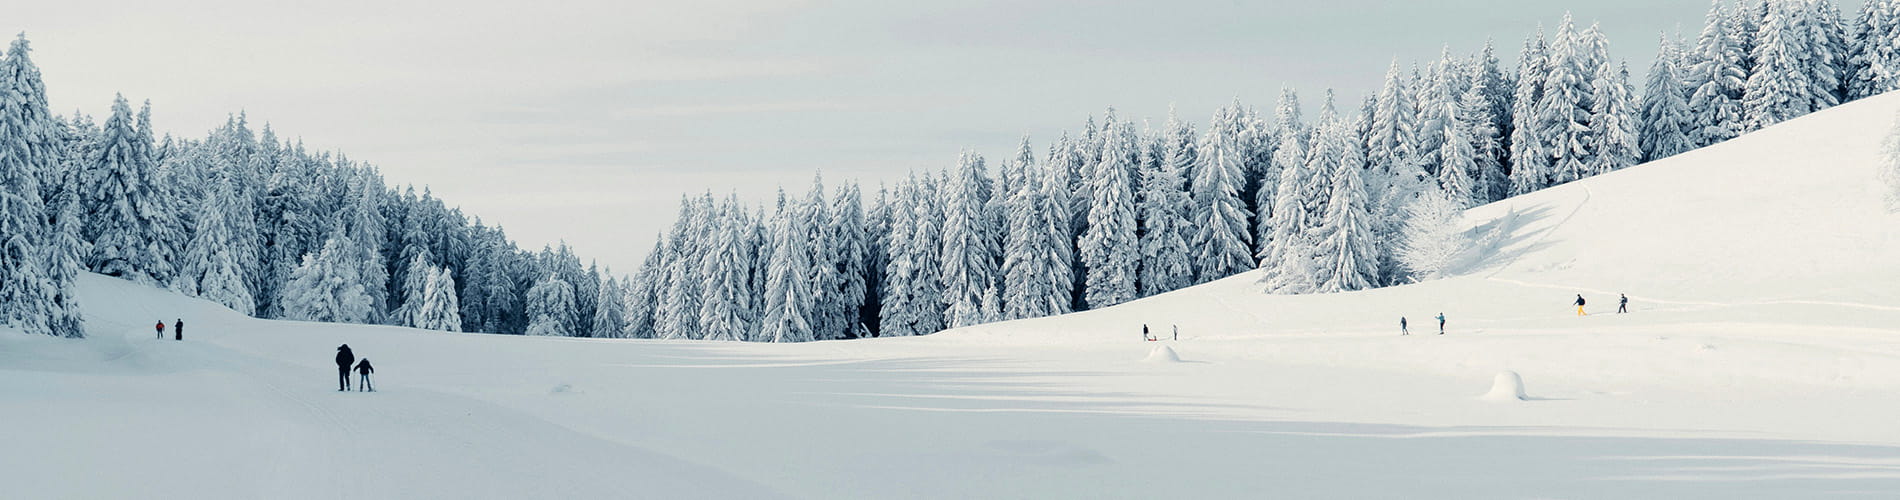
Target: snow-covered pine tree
851,254
1218,237
642,292
725,311
823,313
897,315
1498,89
551,308
1716,81
877,239
1164,202
1430,236
1457,160
1391,137
125,213
1613,121
39,242
1665,119
1874,60
439,305
610,316
677,312
1345,258
968,267
1563,115
1828,53
1477,109
1779,88
1025,272
415,288
329,286
788,294
1288,127
1108,247
1530,155
210,269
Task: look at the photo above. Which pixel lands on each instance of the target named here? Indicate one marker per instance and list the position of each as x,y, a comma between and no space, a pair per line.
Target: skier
1144,334
363,369
178,330
1622,303
1177,332
343,359
1402,329
161,329
1441,323
1580,304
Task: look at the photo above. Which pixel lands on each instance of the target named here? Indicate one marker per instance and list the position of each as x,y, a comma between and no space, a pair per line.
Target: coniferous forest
1358,196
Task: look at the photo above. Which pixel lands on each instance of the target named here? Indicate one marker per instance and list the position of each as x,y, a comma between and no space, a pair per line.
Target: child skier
363,369
1441,323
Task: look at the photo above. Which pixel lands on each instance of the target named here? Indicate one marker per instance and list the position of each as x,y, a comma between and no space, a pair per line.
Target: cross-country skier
1441,323
1580,304
363,369
1622,303
1144,333
161,329
343,359
1402,330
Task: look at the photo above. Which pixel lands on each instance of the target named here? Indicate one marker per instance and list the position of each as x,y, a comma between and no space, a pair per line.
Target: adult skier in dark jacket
343,360
363,369
1579,304
178,330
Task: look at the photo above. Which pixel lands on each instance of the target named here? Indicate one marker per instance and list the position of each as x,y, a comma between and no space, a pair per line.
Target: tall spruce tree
1665,120
1108,247
1219,238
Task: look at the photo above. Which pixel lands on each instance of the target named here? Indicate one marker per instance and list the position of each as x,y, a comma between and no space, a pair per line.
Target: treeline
264,226
1355,198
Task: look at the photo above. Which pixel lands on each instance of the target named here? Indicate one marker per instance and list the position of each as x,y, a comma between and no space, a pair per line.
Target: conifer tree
1530,157
39,243
1665,117
1563,115
1613,122
968,265
1716,82
1164,265
1345,258
1219,235
125,214
1778,88
439,305
1108,248
209,269
788,297
329,286
726,267
551,308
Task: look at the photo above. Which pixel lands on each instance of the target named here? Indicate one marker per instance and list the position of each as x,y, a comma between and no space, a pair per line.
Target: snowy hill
1758,362
1784,225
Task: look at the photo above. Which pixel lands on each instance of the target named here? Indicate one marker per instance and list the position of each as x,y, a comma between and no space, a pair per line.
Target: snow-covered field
1761,359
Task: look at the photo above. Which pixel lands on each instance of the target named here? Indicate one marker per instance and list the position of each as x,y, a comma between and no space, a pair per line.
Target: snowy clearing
1759,361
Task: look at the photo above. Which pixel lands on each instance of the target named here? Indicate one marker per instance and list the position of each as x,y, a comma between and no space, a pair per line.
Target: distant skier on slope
363,369
178,330
1441,323
161,329
1622,303
1579,304
343,360
1144,334
1177,332
1402,329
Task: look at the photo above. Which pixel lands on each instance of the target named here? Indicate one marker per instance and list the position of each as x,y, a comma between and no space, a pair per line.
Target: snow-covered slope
1783,225
1758,362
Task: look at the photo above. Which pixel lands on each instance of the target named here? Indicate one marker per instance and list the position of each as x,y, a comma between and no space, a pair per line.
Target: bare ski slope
1760,361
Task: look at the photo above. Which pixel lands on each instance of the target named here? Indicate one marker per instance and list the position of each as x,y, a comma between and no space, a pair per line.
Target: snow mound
1506,386
1162,354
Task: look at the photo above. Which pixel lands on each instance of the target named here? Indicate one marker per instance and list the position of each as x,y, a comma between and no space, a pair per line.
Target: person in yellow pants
1580,304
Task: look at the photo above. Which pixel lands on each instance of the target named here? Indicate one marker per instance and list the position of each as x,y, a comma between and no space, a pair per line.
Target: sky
586,121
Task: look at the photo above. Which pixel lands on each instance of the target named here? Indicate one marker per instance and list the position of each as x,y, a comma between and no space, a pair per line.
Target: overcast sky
586,121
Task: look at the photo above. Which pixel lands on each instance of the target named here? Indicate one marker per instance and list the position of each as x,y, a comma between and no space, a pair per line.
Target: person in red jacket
161,329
